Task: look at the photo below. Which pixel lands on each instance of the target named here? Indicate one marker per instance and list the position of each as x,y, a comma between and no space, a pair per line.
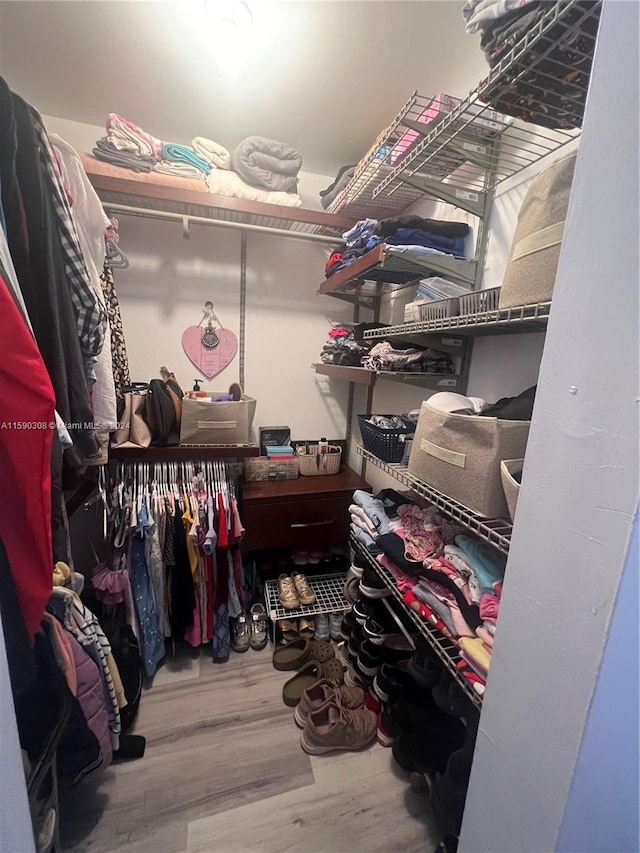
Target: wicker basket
315,464
386,444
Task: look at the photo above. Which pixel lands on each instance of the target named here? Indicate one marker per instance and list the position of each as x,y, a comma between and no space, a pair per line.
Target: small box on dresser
460,456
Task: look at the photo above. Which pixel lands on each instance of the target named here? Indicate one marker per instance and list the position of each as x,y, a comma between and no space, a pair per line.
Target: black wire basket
386,444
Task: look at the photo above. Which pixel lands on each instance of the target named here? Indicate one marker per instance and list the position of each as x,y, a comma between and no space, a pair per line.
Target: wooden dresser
303,513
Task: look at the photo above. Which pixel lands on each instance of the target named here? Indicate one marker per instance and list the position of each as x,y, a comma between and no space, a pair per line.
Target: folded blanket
213,153
183,170
479,13
267,163
387,227
94,166
229,184
127,136
176,153
106,150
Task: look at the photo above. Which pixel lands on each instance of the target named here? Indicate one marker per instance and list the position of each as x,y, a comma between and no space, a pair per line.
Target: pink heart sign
209,362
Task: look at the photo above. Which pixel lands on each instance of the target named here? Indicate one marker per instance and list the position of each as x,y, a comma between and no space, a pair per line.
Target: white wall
170,279
578,498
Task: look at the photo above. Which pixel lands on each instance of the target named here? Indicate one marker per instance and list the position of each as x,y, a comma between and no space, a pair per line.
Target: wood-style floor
223,772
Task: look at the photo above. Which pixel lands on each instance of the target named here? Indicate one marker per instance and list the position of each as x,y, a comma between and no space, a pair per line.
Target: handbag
133,429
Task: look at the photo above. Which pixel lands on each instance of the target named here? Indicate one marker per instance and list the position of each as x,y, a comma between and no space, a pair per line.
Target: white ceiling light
230,23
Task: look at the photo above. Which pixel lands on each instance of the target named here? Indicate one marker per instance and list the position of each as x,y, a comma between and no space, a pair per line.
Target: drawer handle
324,523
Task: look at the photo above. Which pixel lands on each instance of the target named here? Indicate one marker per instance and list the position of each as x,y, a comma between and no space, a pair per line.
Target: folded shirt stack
343,349
451,579
408,232
384,356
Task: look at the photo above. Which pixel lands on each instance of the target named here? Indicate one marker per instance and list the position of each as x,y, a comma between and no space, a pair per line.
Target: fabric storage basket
511,487
535,251
386,444
460,456
316,464
205,423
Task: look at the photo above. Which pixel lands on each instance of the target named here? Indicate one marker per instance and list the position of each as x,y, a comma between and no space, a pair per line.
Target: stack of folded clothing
404,233
267,164
183,161
451,579
330,194
342,347
127,145
548,83
384,356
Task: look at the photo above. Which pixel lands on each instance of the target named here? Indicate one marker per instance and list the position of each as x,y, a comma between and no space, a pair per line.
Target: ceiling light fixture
231,22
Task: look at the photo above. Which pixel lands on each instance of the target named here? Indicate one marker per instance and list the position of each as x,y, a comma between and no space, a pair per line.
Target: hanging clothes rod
186,220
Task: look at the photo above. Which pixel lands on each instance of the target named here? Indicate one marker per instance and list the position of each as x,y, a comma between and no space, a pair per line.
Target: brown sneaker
333,727
321,693
287,592
303,590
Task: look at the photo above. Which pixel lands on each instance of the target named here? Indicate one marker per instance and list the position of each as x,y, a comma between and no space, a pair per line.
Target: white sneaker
335,623
323,631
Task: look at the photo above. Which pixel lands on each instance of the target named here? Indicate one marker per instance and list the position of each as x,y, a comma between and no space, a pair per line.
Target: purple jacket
91,698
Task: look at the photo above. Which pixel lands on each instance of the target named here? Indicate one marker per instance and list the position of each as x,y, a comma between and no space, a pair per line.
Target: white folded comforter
229,184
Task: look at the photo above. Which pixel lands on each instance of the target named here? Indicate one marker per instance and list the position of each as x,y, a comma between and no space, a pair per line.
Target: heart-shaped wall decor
209,362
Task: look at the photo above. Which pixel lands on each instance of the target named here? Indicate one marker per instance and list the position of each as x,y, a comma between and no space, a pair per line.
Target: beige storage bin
510,486
460,455
535,251
205,423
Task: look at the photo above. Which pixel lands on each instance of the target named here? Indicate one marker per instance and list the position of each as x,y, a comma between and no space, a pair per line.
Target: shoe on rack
315,557
372,702
449,789
379,625
307,628
358,563
368,660
372,585
356,639
347,625
303,589
323,630
351,589
353,679
362,609
450,697
388,683
383,736
258,633
334,727
424,665
300,558
427,749
322,692
288,629
335,624
240,633
287,592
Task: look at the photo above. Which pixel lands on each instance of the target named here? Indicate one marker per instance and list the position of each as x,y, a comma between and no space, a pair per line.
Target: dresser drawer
296,524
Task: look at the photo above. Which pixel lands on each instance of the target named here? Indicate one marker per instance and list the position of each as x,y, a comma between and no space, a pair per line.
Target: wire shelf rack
445,647
496,531
525,85
526,318
329,597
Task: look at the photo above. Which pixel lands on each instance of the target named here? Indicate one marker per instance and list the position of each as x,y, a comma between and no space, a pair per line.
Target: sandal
305,678
321,650
289,629
307,628
292,656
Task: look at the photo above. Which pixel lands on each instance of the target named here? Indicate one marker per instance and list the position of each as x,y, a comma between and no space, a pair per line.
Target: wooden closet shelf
182,454
159,198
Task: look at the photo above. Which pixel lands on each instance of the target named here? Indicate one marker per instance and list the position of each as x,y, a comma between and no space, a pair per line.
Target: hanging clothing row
173,556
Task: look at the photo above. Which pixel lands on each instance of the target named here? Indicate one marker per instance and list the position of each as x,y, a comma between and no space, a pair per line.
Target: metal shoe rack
328,590
445,647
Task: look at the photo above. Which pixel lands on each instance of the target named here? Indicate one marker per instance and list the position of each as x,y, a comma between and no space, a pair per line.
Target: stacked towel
106,150
126,136
172,152
180,170
267,164
211,152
